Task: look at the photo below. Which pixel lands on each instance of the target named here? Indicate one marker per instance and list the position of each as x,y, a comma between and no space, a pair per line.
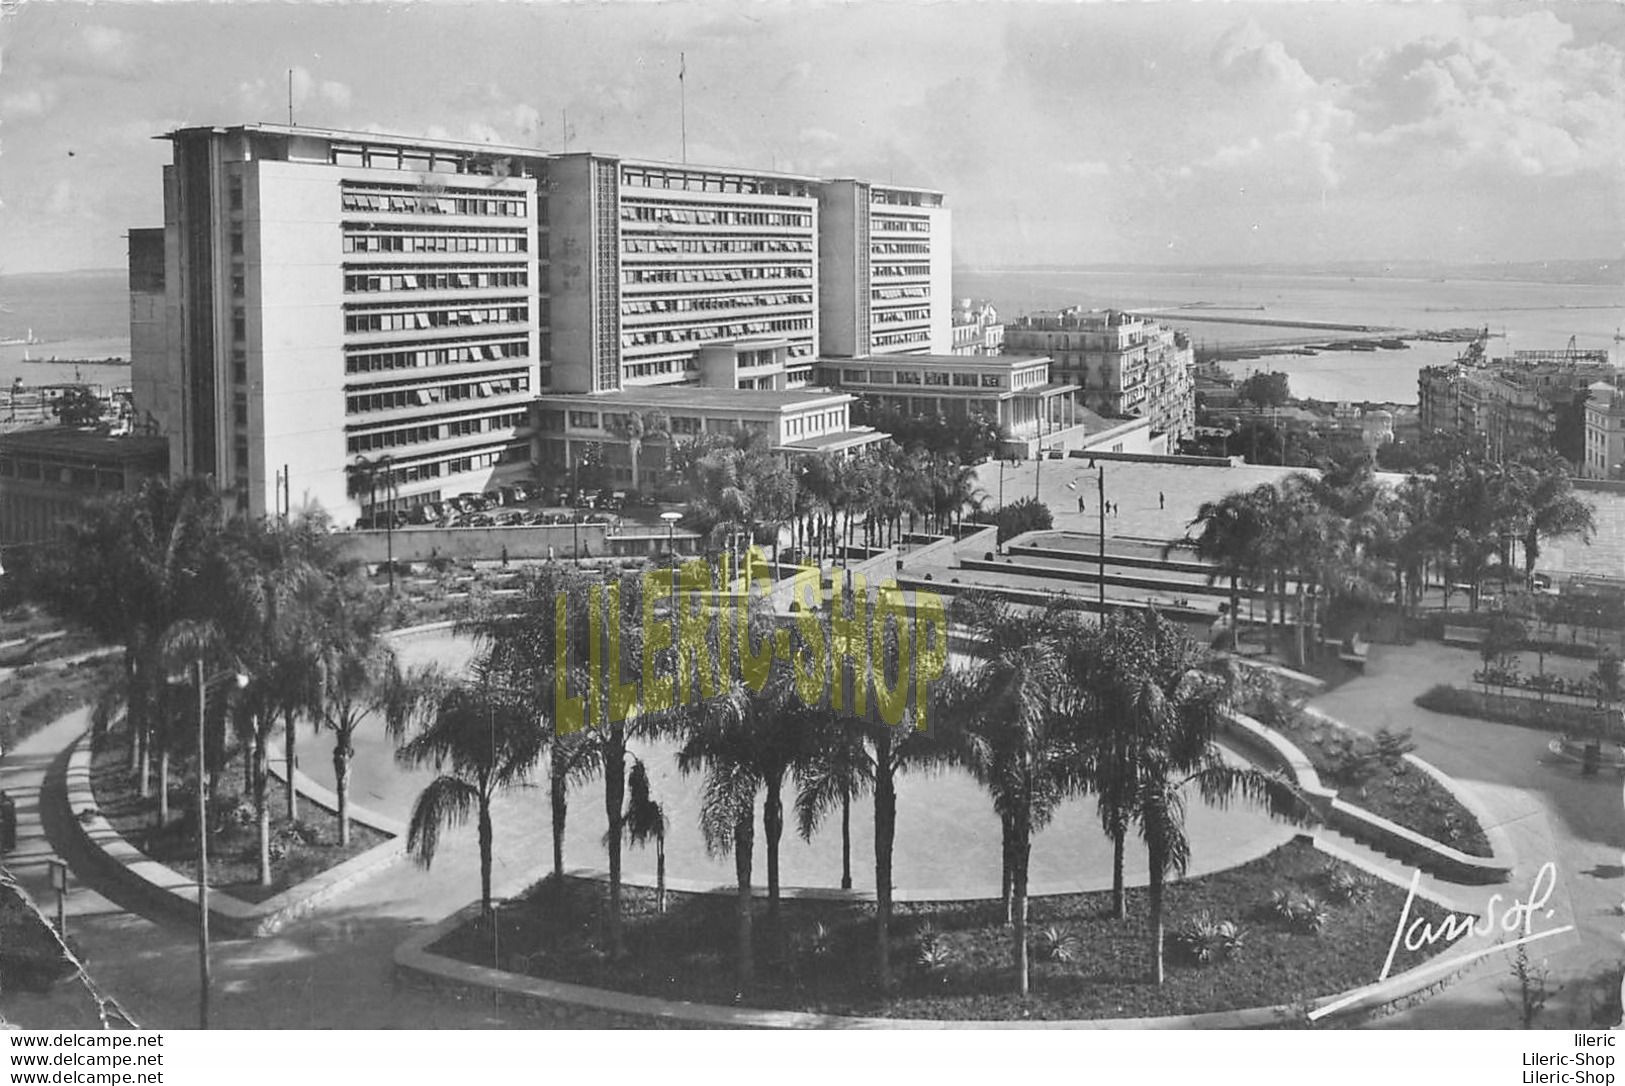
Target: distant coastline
1600,272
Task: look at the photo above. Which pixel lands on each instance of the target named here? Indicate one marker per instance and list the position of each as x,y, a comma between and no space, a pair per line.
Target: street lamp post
203,836
671,517
1100,478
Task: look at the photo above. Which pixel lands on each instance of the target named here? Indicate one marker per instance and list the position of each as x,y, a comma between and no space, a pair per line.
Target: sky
1061,133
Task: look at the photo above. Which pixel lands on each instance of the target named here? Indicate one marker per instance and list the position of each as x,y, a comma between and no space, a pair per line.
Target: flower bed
1528,712
953,960
1372,773
300,849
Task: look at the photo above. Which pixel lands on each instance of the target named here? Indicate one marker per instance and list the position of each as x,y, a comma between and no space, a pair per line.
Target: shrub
1204,940
1392,747
1302,911
1344,885
1059,943
932,954
1024,515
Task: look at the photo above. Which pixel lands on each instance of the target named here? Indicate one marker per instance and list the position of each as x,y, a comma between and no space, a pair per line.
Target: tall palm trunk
262,805
773,829
744,842
846,839
559,800
1235,615
163,787
342,752
290,758
1023,845
1007,871
660,871
614,804
885,831
485,848
1119,888
1155,899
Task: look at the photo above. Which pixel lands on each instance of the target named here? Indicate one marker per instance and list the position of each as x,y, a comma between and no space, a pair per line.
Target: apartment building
1127,366
1604,433
977,328
47,473
321,306
1533,400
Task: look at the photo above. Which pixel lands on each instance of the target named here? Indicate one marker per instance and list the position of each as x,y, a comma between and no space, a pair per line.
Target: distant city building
1127,365
48,473
1533,400
977,329
321,305
1015,393
1604,433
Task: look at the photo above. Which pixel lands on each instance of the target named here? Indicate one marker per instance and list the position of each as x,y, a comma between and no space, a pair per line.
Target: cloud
1086,169
1514,94
34,102
1248,57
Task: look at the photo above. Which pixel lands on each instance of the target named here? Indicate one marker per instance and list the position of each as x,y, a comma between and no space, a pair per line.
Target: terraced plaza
386,942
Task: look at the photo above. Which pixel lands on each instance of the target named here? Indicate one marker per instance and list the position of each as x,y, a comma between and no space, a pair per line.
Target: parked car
481,520
510,518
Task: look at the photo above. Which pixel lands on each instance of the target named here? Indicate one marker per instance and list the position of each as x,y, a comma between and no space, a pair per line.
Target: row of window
380,361
398,436
901,226
900,316
892,294
900,248
437,469
638,276
436,280
468,241
395,398
641,177
727,301
428,203
715,245
894,339
718,216
717,331
883,271
434,318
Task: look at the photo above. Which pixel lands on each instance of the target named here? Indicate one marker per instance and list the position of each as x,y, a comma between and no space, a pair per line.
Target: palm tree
523,647
646,821
358,674
277,569
1547,507
481,739
834,773
1230,532
128,569
1181,699
635,428
1013,737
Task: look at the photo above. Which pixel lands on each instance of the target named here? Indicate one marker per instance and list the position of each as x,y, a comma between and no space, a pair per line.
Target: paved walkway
1548,810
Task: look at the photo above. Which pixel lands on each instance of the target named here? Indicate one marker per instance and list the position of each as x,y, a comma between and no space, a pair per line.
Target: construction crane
1573,342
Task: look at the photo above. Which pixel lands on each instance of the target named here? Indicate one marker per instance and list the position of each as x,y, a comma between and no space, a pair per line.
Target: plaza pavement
1134,488
334,968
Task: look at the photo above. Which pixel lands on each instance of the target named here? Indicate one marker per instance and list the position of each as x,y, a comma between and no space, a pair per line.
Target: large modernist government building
323,308
318,301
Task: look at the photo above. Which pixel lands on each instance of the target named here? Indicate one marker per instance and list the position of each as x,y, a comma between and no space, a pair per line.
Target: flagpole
682,98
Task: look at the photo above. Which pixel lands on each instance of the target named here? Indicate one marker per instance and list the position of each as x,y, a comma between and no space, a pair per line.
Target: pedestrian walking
1162,500
1080,503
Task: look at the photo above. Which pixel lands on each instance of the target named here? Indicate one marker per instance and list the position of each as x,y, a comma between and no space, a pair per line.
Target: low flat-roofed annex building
1015,393
47,473
801,421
